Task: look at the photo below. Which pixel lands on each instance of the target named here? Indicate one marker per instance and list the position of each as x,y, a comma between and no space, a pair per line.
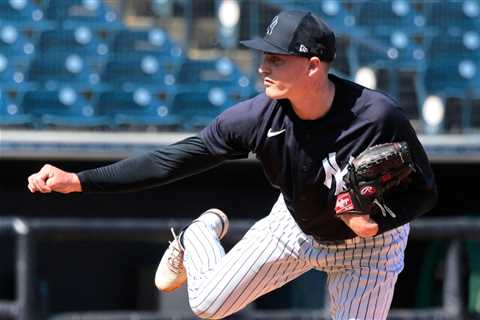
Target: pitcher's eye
275,61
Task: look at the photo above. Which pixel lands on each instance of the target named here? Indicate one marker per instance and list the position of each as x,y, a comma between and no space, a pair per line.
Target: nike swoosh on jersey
271,133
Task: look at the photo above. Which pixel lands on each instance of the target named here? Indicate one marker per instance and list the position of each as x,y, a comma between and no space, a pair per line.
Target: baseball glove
376,170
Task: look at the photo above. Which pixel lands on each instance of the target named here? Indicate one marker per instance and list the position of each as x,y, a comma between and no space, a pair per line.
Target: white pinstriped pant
361,273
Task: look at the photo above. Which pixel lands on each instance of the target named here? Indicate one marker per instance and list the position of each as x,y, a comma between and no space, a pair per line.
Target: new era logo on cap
296,33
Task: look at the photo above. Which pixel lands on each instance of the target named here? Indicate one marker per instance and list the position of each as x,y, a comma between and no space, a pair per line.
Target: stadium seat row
49,45
83,68
44,14
382,16
408,34
159,106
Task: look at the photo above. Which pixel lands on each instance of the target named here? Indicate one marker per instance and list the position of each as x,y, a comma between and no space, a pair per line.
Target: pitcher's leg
365,295
202,238
267,257
171,273
363,288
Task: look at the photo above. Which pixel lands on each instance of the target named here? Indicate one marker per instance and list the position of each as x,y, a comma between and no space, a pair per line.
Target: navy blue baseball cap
299,33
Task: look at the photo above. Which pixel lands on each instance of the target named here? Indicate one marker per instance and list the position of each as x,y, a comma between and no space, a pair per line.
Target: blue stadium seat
154,42
198,107
402,50
11,113
139,69
454,78
13,42
454,64
382,16
341,16
338,15
53,69
74,13
198,74
447,14
140,107
16,53
64,107
80,40
23,13
12,70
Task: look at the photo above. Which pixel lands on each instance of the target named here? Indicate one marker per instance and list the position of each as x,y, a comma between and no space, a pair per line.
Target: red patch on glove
344,203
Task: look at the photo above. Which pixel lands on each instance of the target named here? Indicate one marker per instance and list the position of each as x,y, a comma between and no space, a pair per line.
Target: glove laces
385,209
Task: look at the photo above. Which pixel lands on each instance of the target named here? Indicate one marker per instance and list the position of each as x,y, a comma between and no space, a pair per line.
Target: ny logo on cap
303,48
272,26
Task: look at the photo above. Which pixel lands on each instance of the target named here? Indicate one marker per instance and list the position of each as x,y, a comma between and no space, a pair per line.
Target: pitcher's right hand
51,178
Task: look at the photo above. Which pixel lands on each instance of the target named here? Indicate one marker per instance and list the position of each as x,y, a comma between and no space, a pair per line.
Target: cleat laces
175,260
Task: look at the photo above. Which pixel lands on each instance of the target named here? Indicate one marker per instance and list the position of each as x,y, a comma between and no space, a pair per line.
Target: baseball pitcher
349,168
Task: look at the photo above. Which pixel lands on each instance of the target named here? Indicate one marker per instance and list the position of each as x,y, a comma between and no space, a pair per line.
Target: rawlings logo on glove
376,170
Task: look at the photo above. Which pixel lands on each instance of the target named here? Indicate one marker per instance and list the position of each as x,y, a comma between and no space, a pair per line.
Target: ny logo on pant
332,170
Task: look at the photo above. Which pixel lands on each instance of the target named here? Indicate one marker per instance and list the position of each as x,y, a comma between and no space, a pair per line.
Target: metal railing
27,231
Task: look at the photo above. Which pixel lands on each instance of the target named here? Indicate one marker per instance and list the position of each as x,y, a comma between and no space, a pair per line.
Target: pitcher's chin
273,93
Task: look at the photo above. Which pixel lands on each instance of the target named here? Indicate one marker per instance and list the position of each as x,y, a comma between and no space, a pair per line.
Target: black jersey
307,159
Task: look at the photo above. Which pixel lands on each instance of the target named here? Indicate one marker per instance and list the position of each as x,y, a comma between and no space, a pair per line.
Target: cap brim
261,45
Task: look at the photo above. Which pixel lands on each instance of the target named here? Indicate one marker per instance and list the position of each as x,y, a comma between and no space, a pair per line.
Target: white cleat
171,273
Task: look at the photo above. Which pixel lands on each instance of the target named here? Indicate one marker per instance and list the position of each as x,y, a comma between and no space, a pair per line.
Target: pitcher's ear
313,62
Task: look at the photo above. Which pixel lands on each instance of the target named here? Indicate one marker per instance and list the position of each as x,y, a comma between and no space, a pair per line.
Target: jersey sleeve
159,167
233,134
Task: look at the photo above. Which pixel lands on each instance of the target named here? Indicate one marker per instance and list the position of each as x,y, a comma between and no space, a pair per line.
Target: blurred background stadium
87,82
